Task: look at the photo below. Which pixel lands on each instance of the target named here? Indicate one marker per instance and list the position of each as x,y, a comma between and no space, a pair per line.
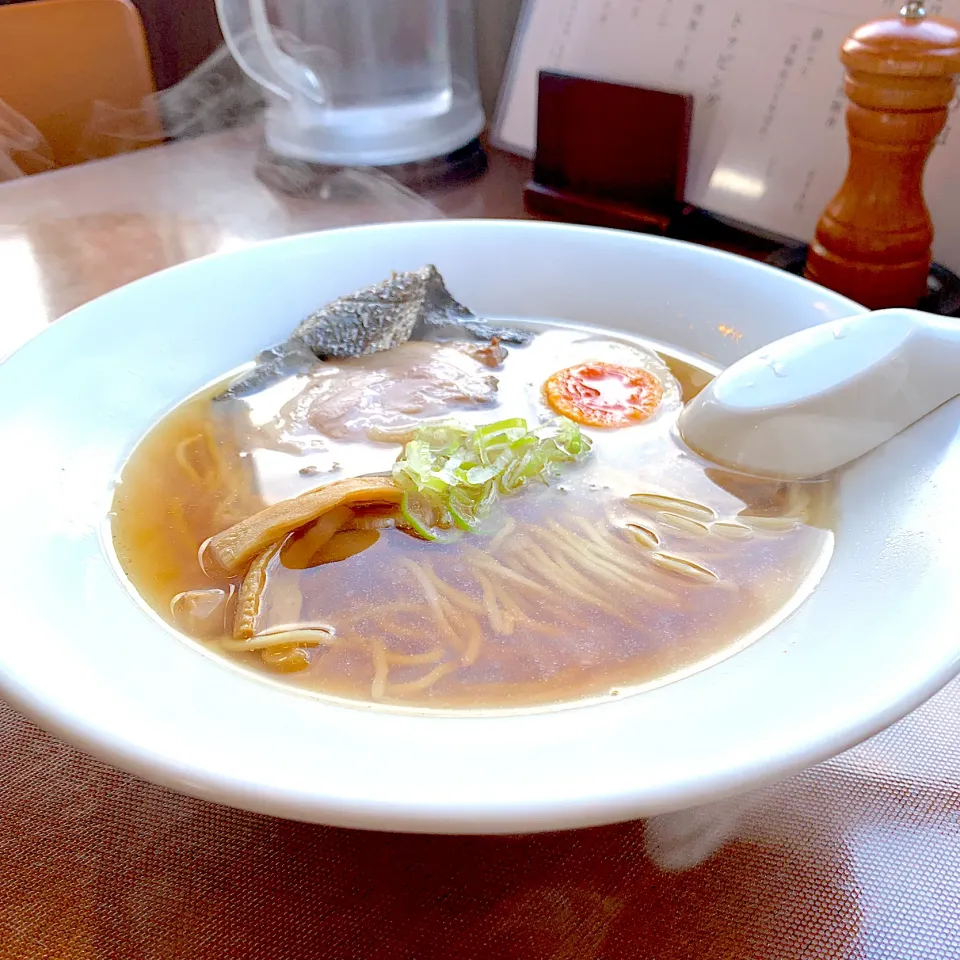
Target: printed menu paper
769,144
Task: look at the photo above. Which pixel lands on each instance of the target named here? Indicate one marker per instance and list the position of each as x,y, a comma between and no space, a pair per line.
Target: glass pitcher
360,82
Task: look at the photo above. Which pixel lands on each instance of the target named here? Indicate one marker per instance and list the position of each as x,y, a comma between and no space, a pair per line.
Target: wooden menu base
574,208
609,154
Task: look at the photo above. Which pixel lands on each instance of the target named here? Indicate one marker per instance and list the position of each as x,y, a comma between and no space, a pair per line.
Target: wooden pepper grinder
873,240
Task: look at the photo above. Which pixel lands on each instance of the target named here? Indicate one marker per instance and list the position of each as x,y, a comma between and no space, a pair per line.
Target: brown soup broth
569,600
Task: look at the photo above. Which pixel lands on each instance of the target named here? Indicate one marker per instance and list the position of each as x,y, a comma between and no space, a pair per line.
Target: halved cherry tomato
604,394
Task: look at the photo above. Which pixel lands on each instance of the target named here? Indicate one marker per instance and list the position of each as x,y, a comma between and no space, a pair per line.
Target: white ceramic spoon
820,398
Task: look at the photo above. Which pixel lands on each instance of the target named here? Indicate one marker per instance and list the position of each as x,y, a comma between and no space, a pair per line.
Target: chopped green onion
412,517
453,474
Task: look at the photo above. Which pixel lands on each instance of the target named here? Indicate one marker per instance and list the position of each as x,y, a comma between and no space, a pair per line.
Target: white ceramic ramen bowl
80,655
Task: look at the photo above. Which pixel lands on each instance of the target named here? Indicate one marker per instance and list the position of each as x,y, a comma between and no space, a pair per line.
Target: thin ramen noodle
614,562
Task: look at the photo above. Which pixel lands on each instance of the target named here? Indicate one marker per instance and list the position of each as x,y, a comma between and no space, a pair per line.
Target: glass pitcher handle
250,38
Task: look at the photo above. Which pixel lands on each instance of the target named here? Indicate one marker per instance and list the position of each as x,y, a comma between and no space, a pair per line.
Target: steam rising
23,150
88,232
217,96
